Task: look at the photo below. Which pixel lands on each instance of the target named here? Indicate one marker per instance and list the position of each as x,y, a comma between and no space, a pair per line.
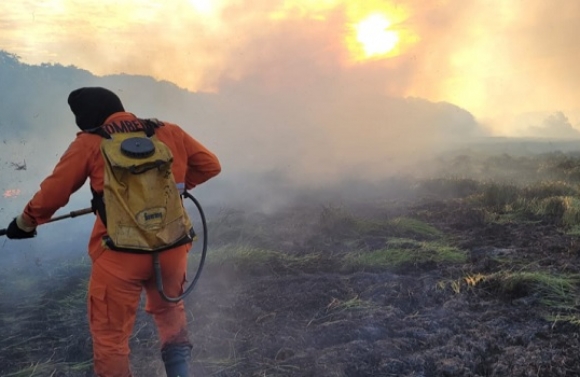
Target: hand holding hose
14,231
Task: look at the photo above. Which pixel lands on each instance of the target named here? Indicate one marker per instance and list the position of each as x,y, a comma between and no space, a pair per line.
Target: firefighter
118,278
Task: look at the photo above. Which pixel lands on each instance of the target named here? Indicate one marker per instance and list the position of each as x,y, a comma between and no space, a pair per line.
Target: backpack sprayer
156,263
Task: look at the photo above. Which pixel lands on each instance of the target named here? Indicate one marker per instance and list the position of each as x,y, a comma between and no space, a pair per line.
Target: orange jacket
193,164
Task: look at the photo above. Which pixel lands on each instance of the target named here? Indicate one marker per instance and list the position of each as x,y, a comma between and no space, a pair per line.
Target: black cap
93,105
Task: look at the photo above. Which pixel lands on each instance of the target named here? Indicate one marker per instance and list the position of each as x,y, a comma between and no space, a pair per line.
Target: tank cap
137,147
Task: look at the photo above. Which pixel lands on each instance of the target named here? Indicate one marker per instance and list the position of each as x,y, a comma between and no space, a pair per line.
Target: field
472,270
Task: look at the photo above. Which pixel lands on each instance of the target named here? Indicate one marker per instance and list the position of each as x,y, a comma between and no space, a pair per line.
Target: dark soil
266,319
281,323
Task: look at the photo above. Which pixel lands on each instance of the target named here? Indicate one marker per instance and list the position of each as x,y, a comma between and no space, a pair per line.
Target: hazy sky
495,58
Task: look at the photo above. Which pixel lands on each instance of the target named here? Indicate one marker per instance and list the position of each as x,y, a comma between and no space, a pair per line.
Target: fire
11,193
375,37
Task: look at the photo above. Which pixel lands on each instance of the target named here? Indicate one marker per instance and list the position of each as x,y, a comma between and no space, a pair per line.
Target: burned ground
414,318
465,277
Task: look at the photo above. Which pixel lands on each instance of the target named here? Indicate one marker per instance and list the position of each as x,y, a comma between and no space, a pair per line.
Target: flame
11,193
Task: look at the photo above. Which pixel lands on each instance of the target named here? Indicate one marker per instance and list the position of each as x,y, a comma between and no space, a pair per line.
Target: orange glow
203,6
377,31
11,193
207,7
374,36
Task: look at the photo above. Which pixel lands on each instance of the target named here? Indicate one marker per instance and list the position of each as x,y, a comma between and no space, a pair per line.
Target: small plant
571,216
555,291
498,196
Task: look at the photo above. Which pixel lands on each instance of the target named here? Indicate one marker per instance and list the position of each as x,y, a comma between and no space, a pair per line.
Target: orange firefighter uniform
117,278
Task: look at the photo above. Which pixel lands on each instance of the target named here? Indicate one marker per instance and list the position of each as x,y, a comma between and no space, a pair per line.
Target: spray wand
72,214
156,264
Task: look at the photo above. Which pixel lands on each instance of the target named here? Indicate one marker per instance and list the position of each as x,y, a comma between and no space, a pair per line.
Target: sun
374,36
205,7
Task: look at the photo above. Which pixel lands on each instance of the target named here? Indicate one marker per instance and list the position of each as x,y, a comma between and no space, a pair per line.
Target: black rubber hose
157,265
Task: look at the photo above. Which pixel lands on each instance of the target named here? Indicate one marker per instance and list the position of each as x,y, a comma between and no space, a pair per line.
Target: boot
175,357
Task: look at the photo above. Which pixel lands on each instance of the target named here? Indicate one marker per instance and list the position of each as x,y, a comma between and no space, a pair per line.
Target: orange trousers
117,280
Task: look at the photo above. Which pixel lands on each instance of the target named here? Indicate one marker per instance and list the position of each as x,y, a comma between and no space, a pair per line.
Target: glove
14,232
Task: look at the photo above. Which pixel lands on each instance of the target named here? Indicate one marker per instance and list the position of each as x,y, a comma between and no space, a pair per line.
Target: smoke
272,88
500,59
272,140
496,59
275,90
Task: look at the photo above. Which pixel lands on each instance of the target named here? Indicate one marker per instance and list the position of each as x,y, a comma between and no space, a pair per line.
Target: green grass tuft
406,225
400,252
247,257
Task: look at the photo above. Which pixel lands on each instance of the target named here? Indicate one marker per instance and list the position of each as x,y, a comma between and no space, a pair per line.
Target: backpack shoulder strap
99,131
150,125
